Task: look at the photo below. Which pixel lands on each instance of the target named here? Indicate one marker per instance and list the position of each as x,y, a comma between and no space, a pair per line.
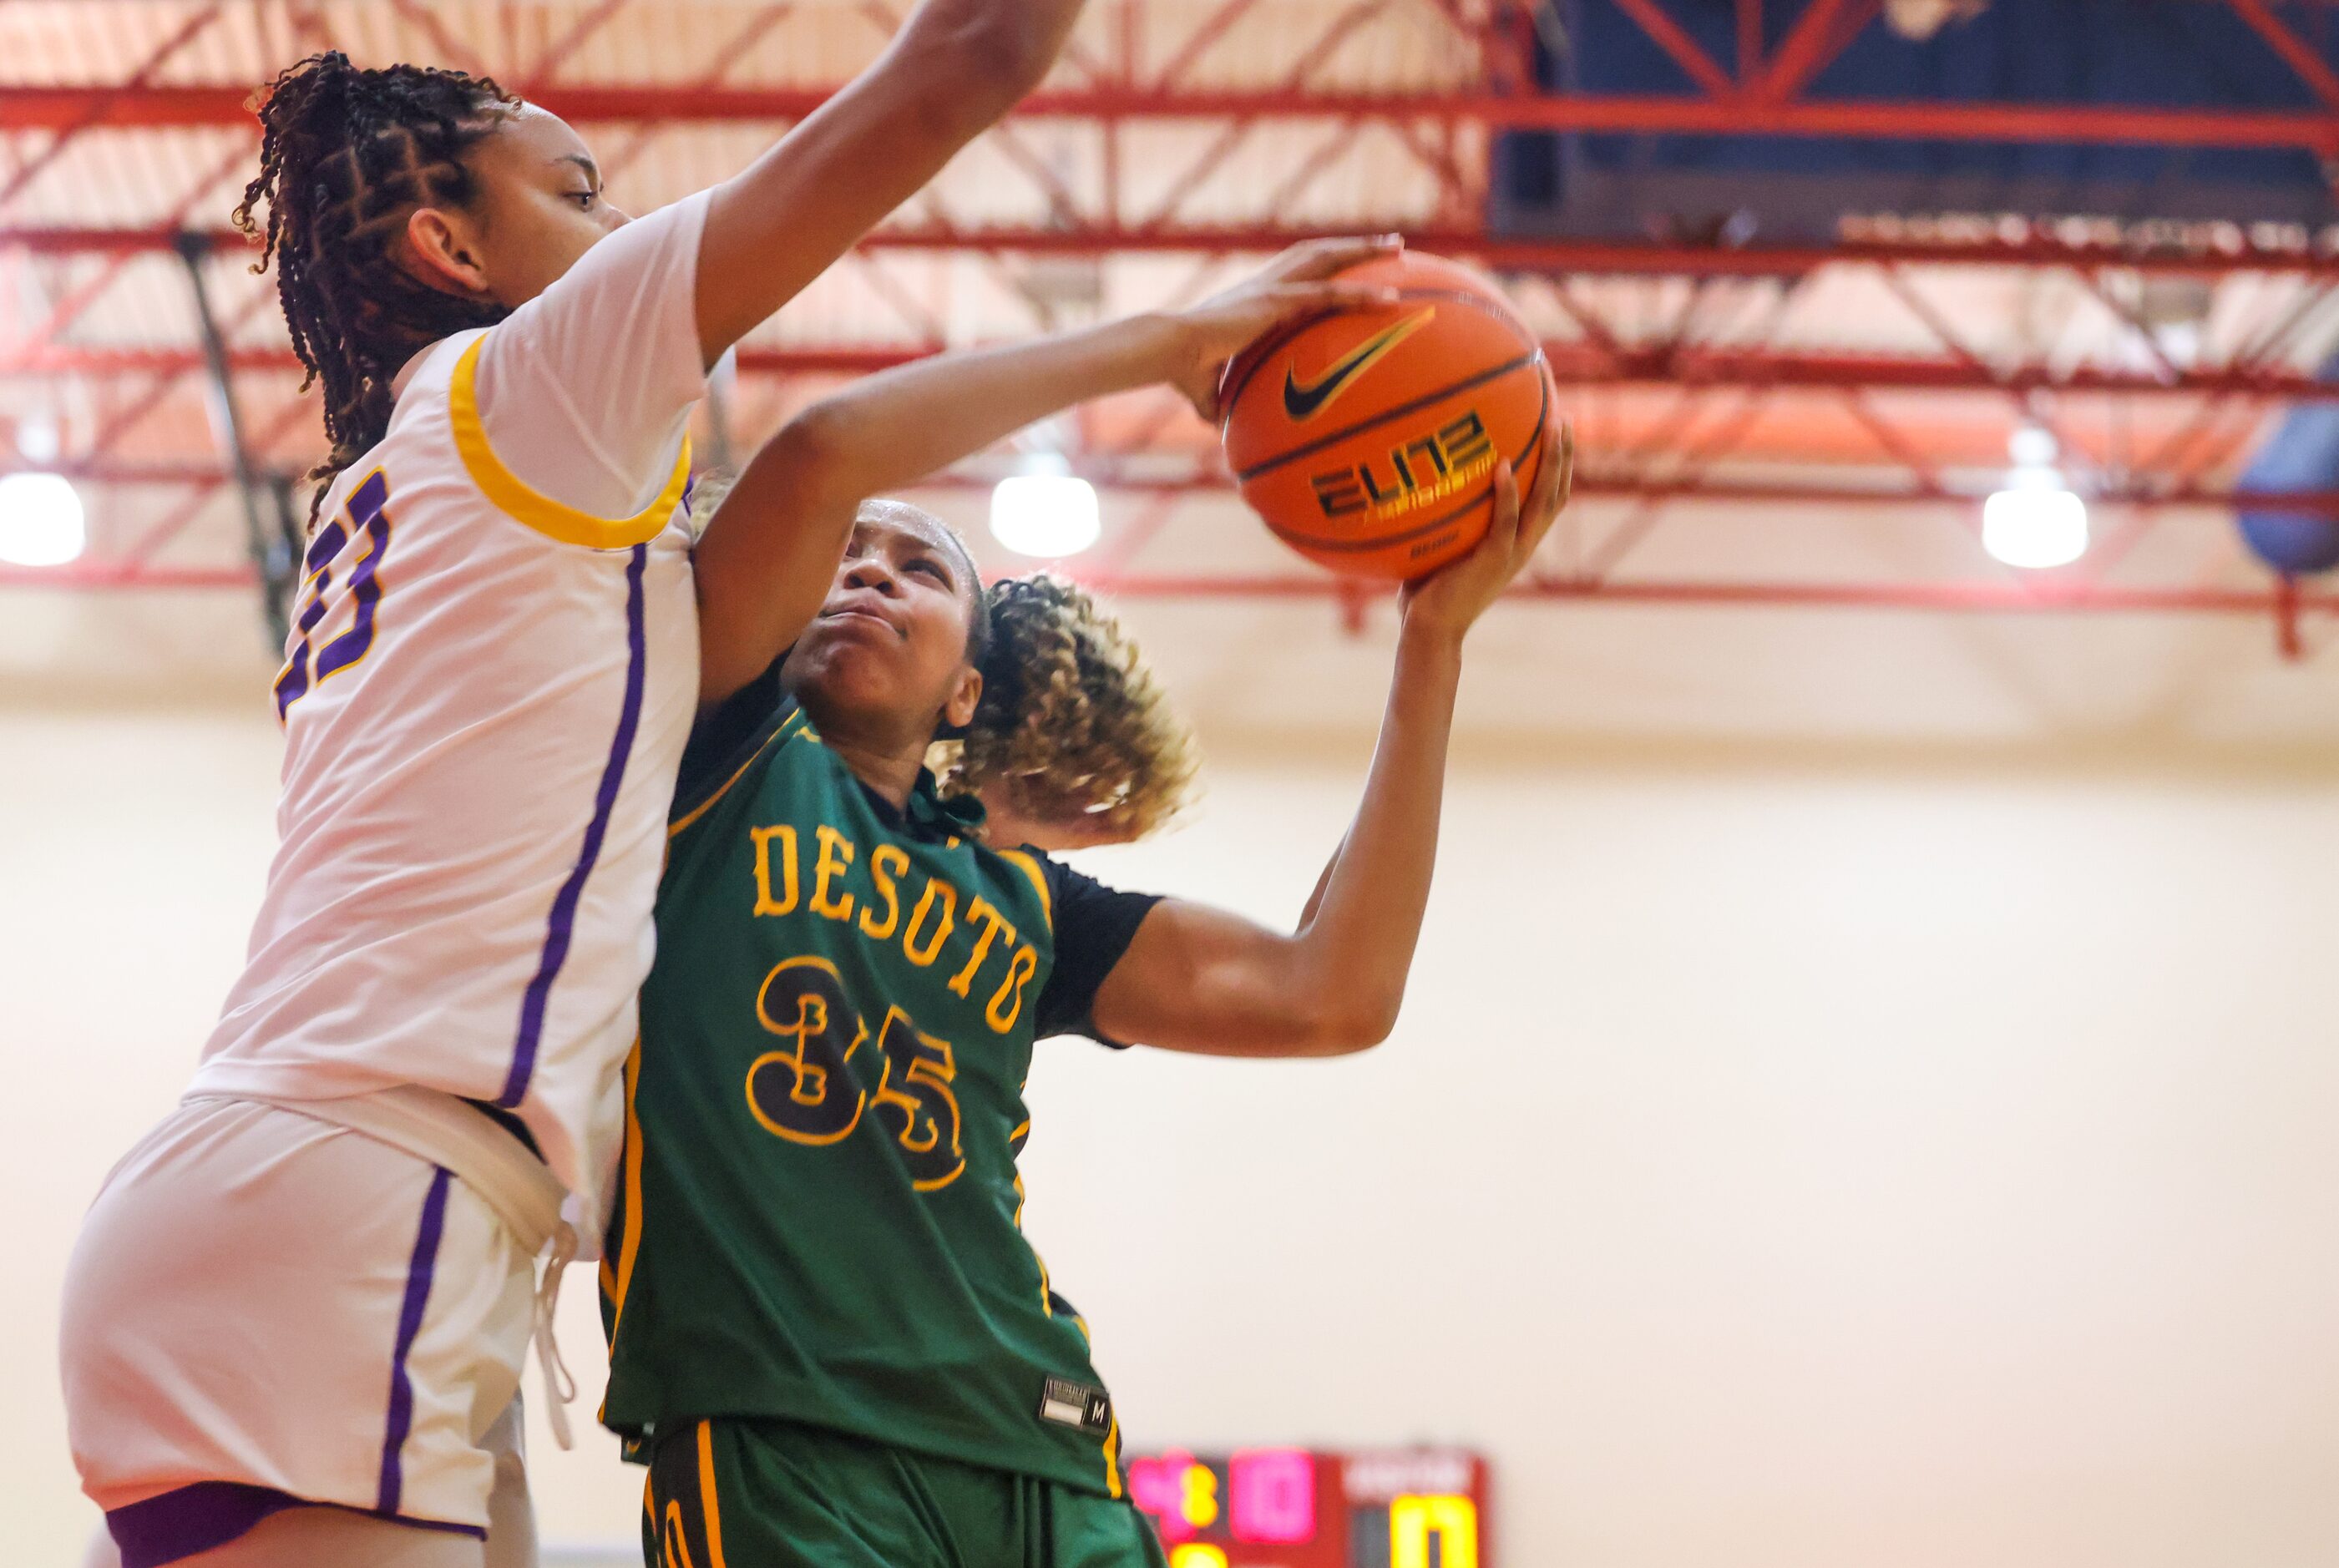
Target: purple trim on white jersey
410,1323
560,926
179,1524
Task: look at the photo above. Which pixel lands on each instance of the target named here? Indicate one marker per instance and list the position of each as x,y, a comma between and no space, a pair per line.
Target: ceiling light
1920,20
2032,447
1046,512
40,520
36,438
2035,522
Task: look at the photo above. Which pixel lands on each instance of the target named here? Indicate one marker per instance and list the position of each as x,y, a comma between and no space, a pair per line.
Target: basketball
1368,439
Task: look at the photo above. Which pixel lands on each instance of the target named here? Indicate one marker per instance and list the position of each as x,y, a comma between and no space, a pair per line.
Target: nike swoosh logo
1305,402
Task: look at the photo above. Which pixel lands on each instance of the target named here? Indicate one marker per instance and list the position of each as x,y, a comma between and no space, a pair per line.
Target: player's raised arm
765,564
954,68
1200,979
609,325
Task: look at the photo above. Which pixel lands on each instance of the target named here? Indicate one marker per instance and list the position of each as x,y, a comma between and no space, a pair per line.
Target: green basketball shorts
744,1493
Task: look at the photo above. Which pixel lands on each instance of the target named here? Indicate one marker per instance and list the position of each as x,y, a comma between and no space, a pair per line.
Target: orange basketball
1368,439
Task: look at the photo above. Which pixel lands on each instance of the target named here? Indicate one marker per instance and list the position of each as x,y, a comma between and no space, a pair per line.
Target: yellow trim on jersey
675,1539
514,495
631,1246
703,808
1039,880
710,1510
1047,1306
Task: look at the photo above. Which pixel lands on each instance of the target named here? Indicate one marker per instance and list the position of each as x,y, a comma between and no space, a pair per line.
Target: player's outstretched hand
1297,284
1450,600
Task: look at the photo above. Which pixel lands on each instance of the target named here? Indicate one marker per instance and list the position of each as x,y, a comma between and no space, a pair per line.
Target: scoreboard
1301,1508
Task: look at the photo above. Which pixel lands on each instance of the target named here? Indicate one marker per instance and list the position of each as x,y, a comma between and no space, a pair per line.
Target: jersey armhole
787,726
516,498
1023,861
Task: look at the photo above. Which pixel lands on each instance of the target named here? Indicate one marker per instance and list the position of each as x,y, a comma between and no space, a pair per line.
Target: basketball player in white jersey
294,1324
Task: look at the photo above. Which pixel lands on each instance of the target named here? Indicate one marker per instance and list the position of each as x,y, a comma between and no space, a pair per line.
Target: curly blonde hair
1071,723
1071,727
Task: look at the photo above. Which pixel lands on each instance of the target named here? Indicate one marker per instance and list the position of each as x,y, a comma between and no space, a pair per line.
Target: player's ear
958,711
442,251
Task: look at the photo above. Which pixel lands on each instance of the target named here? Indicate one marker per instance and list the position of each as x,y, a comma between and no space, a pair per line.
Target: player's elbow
817,452
816,438
985,63
1356,1021
1012,48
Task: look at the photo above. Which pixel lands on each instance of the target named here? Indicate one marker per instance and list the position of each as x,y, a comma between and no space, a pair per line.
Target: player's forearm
990,52
891,429
1203,980
767,555
1323,882
1353,953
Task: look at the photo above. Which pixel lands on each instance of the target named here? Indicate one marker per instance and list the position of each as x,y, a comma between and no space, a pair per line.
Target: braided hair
1071,723
346,155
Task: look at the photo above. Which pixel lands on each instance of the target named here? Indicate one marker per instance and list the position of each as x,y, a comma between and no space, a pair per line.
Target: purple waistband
176,1524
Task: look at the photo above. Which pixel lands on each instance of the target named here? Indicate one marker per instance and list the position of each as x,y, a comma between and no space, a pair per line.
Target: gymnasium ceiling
1810,424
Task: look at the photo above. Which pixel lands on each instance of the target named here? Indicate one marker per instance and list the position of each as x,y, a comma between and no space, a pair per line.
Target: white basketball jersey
485,696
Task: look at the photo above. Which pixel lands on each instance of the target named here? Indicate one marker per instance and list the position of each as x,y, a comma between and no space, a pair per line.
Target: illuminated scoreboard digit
1296,1508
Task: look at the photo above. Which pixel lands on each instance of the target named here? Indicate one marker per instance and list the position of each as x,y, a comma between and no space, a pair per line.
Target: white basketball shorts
266,1309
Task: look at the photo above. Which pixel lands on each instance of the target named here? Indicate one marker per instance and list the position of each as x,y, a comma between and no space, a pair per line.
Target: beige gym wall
1796,1152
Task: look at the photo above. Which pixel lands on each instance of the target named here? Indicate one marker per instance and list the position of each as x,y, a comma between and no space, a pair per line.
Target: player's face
539,208
890,643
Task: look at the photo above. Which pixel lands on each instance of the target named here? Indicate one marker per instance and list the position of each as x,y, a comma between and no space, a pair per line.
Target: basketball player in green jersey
830,1342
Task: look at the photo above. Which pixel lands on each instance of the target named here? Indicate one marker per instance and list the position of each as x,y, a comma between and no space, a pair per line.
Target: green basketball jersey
819,1216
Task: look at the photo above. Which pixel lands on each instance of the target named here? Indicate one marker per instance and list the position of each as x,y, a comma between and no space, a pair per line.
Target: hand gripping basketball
1296,284
1452,598
1367,438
